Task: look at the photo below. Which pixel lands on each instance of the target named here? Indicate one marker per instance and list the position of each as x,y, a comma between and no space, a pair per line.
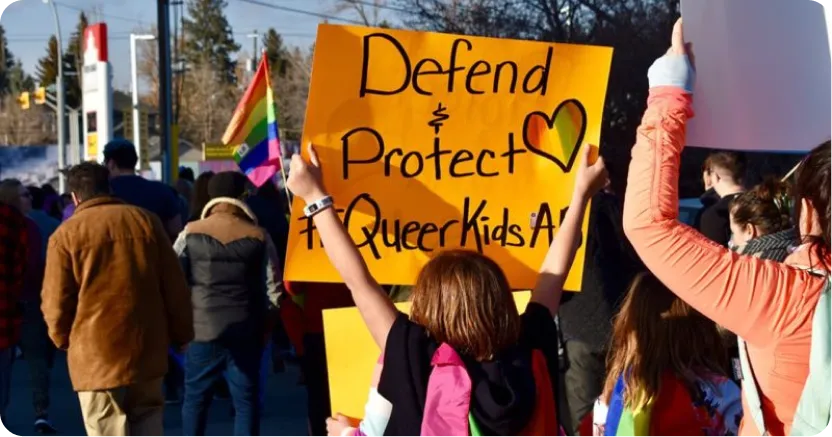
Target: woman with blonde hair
668,370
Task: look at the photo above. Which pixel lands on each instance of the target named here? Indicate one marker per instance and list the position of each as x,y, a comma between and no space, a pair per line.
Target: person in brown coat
115,297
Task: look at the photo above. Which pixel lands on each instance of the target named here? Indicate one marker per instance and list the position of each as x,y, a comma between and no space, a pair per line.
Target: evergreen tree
19,80
275,52
47,68
208,38
6,62
74,63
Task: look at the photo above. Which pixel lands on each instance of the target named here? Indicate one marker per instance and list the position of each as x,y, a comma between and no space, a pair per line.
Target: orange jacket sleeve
760,301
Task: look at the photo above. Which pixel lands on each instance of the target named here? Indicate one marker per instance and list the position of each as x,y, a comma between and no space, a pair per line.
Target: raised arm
757,300
373,303
591,177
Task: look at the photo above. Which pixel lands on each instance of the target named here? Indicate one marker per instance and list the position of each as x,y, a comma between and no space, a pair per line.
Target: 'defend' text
481,76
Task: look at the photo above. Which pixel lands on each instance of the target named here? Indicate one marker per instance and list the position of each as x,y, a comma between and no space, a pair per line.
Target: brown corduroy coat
114,295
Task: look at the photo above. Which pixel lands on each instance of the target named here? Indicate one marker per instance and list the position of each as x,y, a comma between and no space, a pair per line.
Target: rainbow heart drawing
557,137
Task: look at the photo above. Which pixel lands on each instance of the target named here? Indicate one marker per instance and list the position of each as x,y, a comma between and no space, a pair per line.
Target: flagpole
283,175
791,172
282,164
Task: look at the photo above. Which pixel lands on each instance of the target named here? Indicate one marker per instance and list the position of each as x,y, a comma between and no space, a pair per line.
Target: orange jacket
768,304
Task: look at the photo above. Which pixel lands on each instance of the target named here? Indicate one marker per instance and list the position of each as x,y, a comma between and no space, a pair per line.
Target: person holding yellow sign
464,362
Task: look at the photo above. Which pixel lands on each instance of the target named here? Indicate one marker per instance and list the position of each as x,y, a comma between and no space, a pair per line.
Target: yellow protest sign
435,141
351,355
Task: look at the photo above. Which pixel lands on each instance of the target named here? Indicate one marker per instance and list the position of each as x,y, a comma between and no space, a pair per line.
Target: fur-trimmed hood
227,204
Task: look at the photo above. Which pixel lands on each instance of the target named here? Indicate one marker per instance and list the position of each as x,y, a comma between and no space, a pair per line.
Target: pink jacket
770,305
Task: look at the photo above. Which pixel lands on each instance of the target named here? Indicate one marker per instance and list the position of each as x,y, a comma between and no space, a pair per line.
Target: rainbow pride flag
253,130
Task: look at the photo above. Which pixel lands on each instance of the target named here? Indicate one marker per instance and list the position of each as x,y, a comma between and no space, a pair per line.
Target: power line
302,12
382,6
111,16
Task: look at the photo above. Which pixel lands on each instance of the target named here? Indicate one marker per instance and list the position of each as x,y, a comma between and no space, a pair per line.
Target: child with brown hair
464,344
668,370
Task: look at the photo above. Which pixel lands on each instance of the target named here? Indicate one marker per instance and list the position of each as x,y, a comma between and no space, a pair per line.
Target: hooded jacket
503,391
233,270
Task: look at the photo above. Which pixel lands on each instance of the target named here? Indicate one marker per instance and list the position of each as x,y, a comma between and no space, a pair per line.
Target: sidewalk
285,411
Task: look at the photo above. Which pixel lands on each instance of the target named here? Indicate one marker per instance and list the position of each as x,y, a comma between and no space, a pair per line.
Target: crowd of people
175,294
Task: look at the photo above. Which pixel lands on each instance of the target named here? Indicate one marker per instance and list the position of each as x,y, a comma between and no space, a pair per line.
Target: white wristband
317,206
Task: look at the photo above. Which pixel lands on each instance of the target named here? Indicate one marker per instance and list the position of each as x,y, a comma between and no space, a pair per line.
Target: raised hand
675,68
591,176
305,180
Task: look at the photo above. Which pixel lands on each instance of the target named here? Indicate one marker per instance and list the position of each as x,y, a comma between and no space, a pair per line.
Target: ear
809,222
752,230
75,200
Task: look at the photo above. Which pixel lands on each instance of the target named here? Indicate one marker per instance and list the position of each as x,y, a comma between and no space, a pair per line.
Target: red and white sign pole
98,93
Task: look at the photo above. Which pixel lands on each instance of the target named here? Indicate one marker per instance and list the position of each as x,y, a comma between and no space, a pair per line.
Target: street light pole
59,91
254,36
165,94
134,77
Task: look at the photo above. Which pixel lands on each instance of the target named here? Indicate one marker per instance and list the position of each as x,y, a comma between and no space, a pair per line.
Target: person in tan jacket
115,297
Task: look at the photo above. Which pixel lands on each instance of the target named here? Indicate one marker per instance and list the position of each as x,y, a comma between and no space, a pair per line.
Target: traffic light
23,100
40,95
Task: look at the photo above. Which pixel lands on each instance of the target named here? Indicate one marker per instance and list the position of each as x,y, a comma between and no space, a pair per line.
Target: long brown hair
656,332
462,298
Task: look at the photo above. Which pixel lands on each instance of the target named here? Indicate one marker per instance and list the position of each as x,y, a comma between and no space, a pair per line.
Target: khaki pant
136,409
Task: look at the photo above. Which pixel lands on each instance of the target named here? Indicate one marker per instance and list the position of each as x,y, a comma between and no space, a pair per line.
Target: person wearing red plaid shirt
13,253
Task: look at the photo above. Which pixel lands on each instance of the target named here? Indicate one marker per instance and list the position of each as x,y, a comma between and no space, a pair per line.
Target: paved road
285,411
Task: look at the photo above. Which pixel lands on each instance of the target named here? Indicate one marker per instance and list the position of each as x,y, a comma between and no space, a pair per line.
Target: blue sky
29,24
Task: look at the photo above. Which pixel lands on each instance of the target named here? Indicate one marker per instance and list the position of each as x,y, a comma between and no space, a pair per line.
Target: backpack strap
815,406
814,409
751,390
448,399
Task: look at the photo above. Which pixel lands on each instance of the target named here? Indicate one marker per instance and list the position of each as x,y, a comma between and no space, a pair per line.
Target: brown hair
10,193
766,207
656,332
88,180
732,162
200,195
812,183
462,298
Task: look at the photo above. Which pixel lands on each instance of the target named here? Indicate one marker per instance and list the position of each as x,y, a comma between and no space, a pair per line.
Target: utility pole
59,90
165,94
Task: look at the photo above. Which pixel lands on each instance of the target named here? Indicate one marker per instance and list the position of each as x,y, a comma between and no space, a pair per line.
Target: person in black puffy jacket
234,273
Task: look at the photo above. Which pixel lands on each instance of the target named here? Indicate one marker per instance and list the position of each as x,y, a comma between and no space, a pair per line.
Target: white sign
762,74
97,93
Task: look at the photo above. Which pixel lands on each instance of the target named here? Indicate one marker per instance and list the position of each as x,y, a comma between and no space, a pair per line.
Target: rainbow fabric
623,421
717,409
253,130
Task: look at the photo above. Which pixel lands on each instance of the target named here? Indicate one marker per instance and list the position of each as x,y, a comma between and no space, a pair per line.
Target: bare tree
19,127
147,66
368,11
292,89
207,106
148,70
